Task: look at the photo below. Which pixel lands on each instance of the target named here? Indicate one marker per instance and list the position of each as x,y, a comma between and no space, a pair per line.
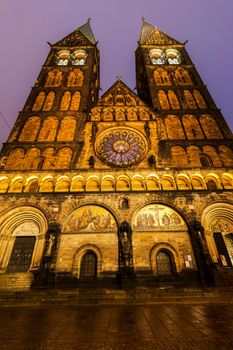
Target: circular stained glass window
121,146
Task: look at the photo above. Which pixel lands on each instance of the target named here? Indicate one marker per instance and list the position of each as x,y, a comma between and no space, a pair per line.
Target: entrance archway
217,220
22,239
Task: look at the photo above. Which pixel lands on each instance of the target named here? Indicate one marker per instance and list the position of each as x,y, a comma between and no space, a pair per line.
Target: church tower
195,132
48,132
123,187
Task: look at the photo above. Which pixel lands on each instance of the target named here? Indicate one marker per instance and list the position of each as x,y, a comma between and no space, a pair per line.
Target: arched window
206,161
174,127
30,129
157,56
163,100
33,186
39,101
161,77
63,57
88,265
211,185
179,157
40,163
210,127
49,158
67,129
189,99
49,101
69,102
65,102
173,100
226,155
54,78
199,99
75,78
173,56
31,158
192,127
48,130
75,101
164,264
79,57
182,77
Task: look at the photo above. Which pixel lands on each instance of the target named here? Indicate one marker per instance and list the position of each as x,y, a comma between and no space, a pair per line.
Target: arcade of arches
89,242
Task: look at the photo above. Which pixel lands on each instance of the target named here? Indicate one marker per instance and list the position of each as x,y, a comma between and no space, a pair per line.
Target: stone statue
126,249
50,244
125,244
152,161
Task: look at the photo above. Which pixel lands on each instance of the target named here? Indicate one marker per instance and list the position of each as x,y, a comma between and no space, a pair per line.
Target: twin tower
123,185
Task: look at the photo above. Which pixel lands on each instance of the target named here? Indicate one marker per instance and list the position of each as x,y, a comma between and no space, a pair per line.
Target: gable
120,95
159,38
74,39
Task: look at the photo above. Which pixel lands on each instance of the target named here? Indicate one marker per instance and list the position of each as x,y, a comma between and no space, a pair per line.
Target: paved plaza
177,327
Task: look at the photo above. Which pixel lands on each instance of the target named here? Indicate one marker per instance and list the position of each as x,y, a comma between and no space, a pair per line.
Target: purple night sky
26,26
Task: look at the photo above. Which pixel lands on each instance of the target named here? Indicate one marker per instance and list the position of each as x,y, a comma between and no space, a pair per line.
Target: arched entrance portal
22,239
88,266
217,220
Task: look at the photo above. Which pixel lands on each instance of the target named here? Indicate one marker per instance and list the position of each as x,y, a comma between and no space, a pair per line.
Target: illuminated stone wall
158,163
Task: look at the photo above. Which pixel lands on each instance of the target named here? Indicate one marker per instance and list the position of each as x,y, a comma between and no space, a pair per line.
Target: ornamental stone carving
121,147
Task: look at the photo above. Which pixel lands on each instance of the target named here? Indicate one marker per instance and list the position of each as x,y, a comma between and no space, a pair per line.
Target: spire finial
119,77
89,20
143,19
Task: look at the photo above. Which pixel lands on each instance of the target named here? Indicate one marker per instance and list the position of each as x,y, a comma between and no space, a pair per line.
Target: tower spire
149,33
147,29
85,30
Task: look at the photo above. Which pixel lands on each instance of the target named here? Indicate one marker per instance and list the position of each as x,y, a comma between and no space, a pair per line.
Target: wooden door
21,255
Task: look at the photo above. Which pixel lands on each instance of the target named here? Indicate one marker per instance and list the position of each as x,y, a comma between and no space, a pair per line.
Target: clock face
121,147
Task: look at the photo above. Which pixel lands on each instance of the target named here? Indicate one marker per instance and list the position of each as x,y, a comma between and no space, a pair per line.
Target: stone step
116,297
16,281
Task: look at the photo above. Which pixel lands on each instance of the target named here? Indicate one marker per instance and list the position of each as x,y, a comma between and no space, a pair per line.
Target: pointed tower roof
151,35
147,29
81,36
86,30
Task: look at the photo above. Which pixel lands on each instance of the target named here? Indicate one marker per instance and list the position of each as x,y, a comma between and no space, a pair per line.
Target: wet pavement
170,327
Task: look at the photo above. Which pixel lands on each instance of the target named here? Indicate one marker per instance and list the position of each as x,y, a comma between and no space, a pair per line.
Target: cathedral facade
125,186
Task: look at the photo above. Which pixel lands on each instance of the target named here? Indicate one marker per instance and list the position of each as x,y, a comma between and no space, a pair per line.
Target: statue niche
126,253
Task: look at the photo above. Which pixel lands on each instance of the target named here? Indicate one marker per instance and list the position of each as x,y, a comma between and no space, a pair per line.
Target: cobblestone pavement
160,327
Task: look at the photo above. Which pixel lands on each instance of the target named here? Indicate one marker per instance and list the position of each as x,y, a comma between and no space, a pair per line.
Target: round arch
90,225
159,226
217,220
167,248
104,210
160,205
81,251
19,222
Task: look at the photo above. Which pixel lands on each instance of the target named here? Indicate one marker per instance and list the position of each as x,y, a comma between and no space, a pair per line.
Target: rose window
121,146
